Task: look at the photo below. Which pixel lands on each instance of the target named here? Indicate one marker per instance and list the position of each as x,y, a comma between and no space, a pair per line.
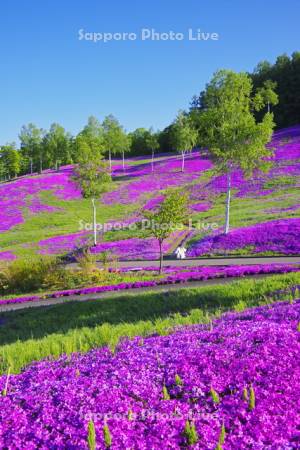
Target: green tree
114,137
184,135
172,213
94,130
2,170
286,74
31,139
57,145
138,141
266,95
229,129
124,146
91,174
152,144
10,158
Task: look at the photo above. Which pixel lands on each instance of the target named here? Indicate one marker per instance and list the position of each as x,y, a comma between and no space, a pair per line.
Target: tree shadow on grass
131,308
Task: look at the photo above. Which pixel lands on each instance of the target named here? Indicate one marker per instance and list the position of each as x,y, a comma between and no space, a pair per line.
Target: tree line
277,89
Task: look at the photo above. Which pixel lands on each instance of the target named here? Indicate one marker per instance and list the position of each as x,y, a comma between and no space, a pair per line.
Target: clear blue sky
48,75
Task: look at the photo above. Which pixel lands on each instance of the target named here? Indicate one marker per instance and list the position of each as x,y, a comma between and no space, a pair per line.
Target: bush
23,276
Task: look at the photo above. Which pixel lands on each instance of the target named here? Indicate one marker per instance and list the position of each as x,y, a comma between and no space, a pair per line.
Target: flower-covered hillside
234,382
44,213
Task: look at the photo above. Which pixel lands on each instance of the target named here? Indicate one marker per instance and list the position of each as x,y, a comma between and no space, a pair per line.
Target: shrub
26,275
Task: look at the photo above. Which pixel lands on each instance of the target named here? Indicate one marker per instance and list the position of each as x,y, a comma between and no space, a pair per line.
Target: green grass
48,224
33,334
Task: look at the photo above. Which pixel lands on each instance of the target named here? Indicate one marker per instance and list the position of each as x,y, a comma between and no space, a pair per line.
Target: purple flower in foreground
52,402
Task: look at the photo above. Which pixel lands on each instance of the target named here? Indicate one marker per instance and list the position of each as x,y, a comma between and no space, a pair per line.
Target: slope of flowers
136,248
137,184
242,372
14,195
278,236
173,275
167,173
63,244
139,248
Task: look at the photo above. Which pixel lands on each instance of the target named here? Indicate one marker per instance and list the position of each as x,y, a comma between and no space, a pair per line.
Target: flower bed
278,236
173,276
241,374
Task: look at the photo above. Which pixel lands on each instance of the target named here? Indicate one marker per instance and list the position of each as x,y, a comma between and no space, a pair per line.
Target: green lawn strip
31,335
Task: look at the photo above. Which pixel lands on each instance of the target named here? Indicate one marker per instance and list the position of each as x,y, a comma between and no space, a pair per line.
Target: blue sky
48,75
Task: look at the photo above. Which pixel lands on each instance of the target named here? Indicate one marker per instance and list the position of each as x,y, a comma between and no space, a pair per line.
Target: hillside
238,373
45,214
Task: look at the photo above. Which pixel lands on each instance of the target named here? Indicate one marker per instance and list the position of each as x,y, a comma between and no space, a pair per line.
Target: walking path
112,294
218,261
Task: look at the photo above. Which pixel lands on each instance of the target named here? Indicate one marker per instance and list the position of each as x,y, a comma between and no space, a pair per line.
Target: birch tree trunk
183,161
227,213
109,158
123,156
94,222
152,161
160,257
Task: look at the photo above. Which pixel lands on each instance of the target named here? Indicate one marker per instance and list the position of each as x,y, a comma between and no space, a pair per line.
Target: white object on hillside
180,252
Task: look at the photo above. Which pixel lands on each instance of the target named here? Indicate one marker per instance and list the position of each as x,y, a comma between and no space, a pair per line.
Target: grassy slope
30,335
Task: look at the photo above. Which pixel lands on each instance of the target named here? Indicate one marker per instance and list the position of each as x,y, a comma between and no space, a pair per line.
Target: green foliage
91,172
214,395
222,435
87,261
266,95
165,393
228,127
245,394
190,433
183,133
22,276
115,139
143,141
178,380
57,146
10,159
91,436
252,399
4,391
107,436
31,138
286,74
171,214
